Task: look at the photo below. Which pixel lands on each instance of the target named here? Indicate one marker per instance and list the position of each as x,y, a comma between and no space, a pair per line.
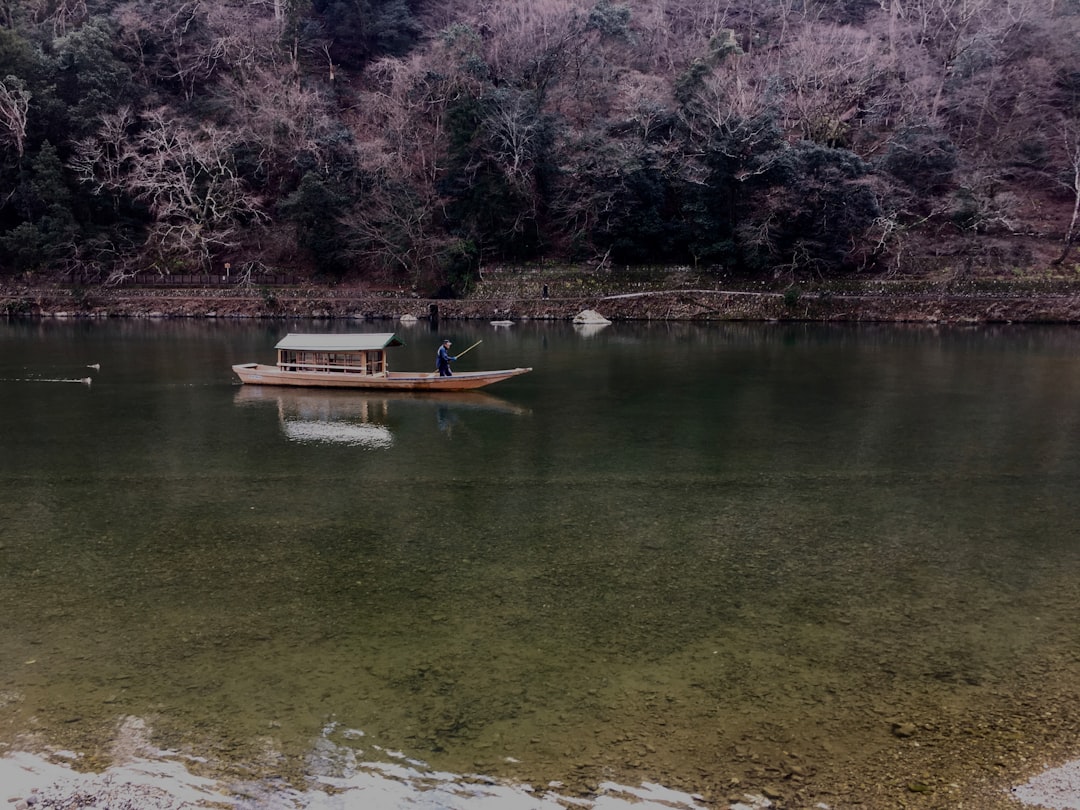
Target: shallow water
673,553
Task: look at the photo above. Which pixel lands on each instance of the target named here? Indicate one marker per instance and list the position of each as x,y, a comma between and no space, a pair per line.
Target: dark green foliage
1032,152
723,44
363,29
817,210
763,204
35,245
21,306
466,43
89,77
18,58
459,266
45,185
965,212
50,119
497,172
610,19
849,12
491,211
1068,85
737,158
922,158
645,222
690,81
46,236
46,117
316,208
47,221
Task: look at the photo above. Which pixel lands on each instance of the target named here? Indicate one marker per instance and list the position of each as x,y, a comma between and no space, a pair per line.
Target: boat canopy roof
339,343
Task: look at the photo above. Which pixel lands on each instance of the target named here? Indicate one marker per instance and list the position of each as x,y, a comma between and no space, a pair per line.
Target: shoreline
510,297
159,780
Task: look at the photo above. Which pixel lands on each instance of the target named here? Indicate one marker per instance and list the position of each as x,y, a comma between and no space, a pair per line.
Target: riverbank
543,294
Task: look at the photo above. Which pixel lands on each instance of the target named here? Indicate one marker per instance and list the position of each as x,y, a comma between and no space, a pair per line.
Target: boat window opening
374,362
347,362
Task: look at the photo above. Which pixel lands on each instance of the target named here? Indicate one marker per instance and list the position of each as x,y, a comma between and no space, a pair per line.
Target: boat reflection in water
360,419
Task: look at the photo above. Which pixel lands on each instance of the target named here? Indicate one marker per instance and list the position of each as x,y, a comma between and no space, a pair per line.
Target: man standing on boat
444,359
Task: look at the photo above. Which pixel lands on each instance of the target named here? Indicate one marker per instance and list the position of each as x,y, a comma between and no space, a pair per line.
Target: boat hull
259,374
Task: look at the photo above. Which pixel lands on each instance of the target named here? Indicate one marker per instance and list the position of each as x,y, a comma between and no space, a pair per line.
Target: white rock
590,316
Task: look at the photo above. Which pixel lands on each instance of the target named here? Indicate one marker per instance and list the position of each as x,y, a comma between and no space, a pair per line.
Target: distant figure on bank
444,359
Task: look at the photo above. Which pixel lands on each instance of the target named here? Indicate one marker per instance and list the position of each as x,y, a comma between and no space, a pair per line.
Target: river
804,562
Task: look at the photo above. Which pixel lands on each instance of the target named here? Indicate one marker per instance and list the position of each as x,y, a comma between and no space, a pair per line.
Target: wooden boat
355,361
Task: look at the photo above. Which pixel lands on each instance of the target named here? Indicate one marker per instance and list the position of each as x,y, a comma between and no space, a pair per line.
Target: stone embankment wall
553,295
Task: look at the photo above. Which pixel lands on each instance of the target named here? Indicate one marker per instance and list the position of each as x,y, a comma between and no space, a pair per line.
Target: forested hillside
413,141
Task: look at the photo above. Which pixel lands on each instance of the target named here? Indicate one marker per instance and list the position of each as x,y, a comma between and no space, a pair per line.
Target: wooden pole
471,347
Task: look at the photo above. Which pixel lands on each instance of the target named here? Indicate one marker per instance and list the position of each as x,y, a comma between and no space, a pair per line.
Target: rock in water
590,316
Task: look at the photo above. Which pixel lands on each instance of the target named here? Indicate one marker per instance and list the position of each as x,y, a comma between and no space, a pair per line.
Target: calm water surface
673,553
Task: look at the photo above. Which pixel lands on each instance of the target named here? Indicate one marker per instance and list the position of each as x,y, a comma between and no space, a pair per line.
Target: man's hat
446,340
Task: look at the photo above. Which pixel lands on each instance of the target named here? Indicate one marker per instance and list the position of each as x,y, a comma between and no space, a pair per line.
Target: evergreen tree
316,208
48,234
363,29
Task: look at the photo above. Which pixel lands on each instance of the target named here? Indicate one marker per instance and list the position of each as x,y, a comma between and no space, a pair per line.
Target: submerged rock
903,729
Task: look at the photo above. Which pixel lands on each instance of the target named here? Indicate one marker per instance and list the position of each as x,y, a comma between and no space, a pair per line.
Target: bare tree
512,127
14,111
392,228
1071,136
103,159
671,34
185,176
521,34
189,61
830,73
959,34
644,99
190,43
283,118
737,91
402,111
62,14
242,38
